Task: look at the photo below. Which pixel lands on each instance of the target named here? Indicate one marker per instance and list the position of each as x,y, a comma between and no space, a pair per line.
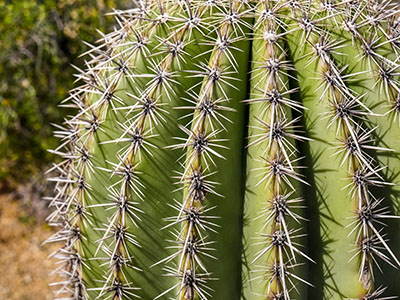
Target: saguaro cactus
234,149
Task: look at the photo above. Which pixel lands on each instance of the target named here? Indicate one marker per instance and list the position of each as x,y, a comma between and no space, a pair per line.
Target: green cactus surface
234,149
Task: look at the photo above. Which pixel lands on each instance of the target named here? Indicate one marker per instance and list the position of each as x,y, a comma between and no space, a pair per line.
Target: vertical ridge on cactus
160,196
206,147
273,197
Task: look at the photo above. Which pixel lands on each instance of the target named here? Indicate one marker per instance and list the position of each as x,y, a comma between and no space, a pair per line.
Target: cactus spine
150,192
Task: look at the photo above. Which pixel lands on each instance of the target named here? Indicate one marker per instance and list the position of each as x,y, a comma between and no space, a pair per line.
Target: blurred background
39,40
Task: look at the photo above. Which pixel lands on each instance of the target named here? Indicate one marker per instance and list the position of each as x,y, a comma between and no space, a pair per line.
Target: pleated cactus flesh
233,149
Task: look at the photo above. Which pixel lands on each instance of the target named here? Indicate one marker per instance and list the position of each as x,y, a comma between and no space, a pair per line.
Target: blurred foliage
38,41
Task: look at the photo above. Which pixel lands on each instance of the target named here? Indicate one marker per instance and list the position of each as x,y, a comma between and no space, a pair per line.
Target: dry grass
24,267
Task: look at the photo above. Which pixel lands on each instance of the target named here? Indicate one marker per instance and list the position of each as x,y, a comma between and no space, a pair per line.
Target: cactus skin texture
234,150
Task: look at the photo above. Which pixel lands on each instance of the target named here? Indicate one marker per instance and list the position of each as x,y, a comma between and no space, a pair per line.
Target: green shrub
38,41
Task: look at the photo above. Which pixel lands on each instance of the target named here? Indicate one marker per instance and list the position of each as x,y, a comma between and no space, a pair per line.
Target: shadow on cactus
234,150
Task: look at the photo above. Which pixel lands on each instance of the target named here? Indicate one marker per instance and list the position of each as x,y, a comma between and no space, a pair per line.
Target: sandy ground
24,267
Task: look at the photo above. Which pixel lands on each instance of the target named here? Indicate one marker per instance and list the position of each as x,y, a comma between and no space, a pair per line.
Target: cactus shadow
317,212
319,216
388,276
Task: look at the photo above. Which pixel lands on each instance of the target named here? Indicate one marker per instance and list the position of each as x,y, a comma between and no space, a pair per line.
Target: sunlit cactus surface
233,149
